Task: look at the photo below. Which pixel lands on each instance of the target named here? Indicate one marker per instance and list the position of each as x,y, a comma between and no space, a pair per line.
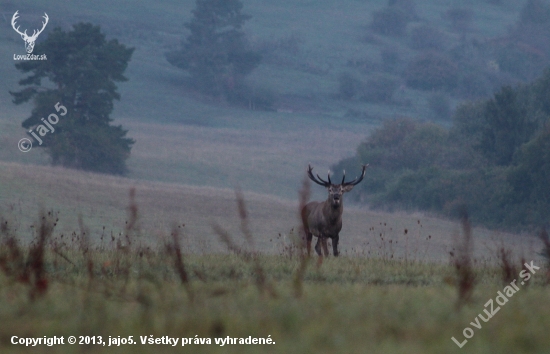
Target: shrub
426,37
440,105
408,6
468,123
403,144
473,84
408,172
348,86
460,18
256,99
391,133
508,125
380,88
535,12
522,60
289,44
529,180
422,146
431,70
390,21
524,52
390,58
541,92
494,161
420,189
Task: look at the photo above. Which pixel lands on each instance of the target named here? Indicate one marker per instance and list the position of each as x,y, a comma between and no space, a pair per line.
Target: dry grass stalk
543,235
508,270
122,263
261,279
462,262
132,226
243,216
39,281
304,195
225,237
175,250
57,250
524,268
12,259
84,245
263,285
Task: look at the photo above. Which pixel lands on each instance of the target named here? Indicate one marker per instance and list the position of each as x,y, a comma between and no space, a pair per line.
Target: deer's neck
333,213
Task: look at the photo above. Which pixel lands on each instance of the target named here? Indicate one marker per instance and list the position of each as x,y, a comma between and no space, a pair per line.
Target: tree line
84,67
494,160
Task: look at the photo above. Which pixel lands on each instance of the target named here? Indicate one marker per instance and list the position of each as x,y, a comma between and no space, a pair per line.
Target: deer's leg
309,236
325,247
335,240
318,245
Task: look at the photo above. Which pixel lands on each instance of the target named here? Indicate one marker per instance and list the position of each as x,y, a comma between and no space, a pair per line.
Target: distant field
183,140
265,152
268,156
102,201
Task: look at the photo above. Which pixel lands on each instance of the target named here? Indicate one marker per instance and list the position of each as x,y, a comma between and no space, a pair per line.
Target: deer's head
336,191
29,40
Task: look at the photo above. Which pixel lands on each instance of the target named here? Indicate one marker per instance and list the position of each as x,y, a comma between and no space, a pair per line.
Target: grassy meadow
110,265
344,304
104,263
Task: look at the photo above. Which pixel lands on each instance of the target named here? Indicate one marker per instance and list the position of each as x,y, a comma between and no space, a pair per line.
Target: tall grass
462,261
251,256
29,270
304,194
343,304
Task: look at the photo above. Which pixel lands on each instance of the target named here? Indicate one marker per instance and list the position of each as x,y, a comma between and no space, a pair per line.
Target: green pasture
348,304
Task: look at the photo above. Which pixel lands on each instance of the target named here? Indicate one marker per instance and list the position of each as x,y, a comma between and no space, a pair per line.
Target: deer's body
324,219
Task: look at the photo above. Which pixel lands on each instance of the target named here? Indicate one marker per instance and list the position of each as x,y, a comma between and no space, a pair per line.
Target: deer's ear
347,188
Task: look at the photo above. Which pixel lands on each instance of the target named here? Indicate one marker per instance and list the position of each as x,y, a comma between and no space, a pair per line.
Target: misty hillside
102,202
313,53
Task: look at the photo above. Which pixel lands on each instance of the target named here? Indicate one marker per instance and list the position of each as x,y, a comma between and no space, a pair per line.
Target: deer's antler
317,180
357,179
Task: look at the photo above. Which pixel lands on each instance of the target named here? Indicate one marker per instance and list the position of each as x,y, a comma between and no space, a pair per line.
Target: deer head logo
29,40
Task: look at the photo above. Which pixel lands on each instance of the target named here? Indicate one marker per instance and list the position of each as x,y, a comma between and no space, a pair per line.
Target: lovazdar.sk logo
29,40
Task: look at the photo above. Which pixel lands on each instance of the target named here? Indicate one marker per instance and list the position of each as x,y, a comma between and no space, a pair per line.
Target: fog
330,72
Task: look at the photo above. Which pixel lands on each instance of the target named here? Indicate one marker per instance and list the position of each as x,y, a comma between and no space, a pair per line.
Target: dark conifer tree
80,74
215,53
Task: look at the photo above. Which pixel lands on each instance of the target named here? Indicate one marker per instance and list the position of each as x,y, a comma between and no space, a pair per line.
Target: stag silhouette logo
29,40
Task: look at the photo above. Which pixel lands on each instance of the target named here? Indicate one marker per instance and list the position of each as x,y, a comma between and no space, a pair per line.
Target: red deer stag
324,219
